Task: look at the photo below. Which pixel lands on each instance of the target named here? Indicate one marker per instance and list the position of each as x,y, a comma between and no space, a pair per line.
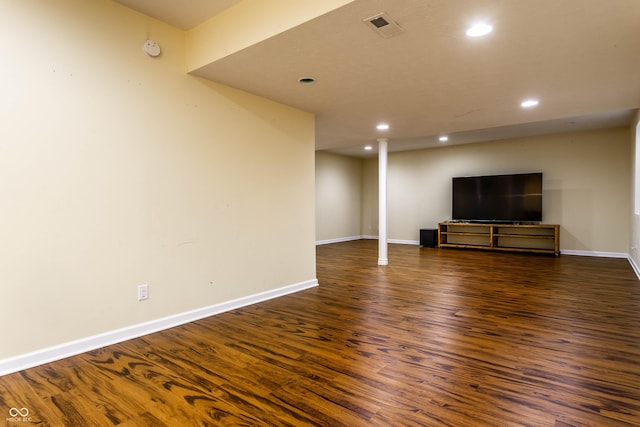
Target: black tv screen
498,198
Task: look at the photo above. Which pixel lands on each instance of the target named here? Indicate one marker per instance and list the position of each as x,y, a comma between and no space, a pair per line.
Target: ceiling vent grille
383,25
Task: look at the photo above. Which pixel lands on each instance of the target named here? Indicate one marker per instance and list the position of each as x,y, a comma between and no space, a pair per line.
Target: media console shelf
536,238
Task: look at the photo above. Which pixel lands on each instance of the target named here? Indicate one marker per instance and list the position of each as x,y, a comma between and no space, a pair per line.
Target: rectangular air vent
383,25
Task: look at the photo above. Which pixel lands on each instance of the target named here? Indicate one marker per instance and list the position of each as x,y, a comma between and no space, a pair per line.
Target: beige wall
338,197
634,252
370,188
586,185
118,169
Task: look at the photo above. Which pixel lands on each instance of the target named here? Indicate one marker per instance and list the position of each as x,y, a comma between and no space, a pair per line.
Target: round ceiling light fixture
443,138
382,126
306,80
478,30
368,147
529,103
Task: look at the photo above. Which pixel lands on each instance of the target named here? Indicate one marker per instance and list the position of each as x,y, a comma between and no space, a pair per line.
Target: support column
382,202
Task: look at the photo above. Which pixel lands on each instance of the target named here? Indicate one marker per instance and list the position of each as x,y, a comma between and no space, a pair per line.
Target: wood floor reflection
436,338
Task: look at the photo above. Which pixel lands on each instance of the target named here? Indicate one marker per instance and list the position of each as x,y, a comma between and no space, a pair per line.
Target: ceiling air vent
383,25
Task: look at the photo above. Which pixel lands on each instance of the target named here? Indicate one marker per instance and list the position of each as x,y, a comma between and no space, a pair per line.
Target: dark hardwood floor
437,338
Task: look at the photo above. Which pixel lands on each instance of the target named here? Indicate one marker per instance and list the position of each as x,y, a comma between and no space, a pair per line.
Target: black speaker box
428,238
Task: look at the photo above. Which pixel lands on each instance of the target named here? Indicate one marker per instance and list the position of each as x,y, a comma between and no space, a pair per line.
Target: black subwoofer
428,237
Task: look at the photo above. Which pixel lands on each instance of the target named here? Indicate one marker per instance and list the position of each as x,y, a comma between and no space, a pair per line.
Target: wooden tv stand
536,238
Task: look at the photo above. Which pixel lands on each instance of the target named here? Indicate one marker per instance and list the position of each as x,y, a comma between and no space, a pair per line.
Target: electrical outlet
143,292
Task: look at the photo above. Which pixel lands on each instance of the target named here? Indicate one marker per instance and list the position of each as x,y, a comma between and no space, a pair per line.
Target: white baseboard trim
338,240
366,237
50,354
594,253
635,267
404,242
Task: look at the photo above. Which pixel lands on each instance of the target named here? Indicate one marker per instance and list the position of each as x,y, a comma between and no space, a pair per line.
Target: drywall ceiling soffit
184,14
570,124
579,57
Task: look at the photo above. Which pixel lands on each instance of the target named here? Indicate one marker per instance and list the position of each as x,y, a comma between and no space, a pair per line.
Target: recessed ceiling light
382,126
443,138
478,30
528,103
368,147
306,80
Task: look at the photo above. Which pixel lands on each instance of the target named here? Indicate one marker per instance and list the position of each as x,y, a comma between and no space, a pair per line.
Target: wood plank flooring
437,338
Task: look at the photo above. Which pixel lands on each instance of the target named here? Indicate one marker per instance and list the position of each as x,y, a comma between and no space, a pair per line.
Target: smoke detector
383,25
151,48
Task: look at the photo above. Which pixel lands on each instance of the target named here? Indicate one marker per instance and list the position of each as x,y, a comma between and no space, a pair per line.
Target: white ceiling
184,14
580,58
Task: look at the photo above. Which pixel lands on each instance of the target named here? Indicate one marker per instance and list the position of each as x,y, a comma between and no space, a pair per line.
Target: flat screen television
498,198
